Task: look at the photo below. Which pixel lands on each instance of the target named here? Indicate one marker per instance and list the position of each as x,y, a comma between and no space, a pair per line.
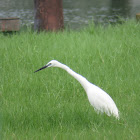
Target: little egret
98,98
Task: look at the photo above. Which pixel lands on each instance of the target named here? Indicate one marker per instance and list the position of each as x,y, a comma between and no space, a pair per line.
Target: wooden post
138,16
48,15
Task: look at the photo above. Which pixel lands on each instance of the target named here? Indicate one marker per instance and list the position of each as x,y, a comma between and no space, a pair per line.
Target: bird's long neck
82,80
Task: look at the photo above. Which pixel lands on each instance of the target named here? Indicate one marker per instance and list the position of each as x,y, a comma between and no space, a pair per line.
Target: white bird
98,98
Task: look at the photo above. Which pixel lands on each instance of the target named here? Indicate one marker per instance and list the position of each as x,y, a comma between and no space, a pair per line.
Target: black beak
43,67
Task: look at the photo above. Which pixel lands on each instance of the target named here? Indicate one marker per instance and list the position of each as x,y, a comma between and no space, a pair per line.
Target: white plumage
98,98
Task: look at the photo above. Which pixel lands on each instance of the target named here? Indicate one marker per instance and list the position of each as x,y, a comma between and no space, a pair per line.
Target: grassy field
52,105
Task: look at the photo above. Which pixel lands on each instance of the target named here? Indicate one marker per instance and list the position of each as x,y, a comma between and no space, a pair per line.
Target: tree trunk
48,15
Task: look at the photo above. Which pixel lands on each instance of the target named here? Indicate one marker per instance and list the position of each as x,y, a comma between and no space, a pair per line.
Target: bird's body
101,101
98,98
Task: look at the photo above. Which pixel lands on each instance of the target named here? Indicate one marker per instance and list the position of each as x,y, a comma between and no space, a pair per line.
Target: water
76,13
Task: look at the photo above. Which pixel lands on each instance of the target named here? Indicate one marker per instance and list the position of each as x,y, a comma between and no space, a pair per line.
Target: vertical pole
48,15
138,16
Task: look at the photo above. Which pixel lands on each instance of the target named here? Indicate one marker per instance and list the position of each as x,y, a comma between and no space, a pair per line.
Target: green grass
51,104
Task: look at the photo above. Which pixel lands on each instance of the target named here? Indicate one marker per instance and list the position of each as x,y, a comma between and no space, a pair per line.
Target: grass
51,104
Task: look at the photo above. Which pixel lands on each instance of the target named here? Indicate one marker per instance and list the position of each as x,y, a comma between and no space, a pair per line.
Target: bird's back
101,101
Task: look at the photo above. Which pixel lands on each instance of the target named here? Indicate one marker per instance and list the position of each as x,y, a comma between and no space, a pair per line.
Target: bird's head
52,63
